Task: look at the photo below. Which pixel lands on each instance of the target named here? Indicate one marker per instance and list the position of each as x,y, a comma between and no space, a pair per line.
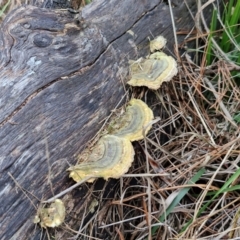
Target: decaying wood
60,76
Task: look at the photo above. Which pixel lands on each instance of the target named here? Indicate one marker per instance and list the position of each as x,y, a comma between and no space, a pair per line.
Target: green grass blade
235,16
223,189
213,27
230,189
235,21
231,24
4,8
179,197
229,9
236,117
226,20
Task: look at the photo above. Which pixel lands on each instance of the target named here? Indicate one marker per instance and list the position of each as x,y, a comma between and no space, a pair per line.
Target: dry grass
196,135
196,132
200,134
6,6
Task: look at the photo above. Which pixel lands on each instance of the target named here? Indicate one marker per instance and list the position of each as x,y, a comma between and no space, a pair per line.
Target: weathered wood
59,78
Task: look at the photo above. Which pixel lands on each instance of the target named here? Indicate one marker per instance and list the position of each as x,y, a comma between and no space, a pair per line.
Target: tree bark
60,77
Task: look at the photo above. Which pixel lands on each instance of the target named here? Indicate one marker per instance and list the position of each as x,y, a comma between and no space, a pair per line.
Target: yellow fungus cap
158,43
53,216
111,157
133,122
152,72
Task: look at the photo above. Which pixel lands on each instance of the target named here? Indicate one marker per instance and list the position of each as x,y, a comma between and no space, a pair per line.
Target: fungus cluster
130,124
154,70
53,216
113,154
110,157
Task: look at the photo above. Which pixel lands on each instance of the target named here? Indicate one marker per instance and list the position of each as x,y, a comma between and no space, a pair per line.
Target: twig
222,106
23,190
201,118
174,28
67,190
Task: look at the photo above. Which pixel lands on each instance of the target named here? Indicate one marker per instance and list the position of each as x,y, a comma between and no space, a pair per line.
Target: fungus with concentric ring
152,72
111,157
134,122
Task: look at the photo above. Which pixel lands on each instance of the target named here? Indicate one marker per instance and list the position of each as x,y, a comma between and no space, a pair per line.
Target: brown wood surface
59,78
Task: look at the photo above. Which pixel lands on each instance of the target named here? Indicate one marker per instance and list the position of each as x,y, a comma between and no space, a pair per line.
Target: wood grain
59,78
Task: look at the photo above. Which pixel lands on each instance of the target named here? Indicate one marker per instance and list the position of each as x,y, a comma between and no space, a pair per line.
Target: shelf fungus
152,72
131,124
111,157
53,216
158,43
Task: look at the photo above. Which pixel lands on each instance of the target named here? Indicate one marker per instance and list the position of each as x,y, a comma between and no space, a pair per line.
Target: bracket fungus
111,157
152,72
130,126
157,44
53,216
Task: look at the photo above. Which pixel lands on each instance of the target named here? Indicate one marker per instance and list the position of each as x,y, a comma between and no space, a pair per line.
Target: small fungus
158,43
111,157
131,124
53,216
152,72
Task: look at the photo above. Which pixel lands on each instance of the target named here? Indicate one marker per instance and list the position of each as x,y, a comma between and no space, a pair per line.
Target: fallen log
60,76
